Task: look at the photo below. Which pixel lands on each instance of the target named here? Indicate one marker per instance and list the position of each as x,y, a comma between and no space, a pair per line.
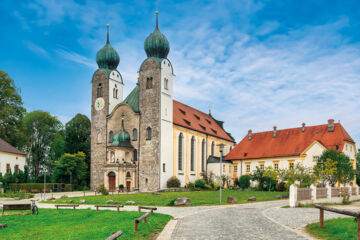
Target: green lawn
165,198
335,229
81,224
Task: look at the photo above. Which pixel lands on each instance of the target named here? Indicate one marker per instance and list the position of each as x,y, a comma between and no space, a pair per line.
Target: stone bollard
313,192
328,192
292,195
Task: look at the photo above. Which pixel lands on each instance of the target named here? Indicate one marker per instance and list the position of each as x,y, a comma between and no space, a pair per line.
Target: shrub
236,182
28,187
173,182
216,186
121,186
191,186
244,182
281,187
200,183
101,189
208,186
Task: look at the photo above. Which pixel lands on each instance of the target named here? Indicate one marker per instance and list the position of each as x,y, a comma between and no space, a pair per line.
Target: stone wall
149,168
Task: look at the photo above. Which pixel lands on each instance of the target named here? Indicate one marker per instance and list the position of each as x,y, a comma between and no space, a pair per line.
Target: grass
81,224
335,229
20,195
167,198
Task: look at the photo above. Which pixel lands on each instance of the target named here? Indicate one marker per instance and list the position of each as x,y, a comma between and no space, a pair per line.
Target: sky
255,64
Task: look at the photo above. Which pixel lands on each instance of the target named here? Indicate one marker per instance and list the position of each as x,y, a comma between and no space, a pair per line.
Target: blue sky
256,63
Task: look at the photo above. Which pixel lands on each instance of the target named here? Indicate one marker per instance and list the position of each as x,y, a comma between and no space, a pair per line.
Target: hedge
37,187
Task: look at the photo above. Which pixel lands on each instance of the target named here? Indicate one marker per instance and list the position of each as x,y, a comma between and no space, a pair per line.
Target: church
141,141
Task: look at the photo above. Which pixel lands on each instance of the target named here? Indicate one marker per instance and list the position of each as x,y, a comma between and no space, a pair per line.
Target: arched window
149,83
135,155
192,158
128,174
148,133
99,90
99,138
213,149
203,146
135,134
112,157
111,136
166,82
111,174
180,153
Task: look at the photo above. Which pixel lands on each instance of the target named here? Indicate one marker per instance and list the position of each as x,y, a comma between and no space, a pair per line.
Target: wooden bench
138,220
109,206
3,225
148,208
340,211
22,206
115,235
66,205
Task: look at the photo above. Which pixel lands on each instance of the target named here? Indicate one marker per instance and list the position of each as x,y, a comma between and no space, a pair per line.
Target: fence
326,194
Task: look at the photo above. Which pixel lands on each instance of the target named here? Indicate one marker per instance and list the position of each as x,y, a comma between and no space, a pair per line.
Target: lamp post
221,147
44,169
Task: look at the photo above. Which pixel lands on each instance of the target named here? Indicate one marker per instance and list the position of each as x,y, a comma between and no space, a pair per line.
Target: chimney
303,127
250,134
274,135
330,125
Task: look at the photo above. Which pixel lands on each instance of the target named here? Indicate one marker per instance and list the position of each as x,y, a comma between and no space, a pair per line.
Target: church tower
107,92
156,108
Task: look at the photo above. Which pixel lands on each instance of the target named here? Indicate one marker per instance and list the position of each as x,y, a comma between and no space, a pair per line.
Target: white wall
215,168
13,160
166,125
115,79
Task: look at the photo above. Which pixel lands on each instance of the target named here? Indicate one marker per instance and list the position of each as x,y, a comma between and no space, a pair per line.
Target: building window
229,168
8,168
212,149
235,168
316,158
115,92
112,157
148,133
111,136
128,174
224,168
180,152
192,156
99,90
135,155
166,82
149,83
16,169
203,155
230,148
291,165
99,138
248,168
261,166
346,147
350,148
164,167
135,134
276,166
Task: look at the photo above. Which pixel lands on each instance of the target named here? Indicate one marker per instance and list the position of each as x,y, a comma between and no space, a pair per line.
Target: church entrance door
111,176
128,186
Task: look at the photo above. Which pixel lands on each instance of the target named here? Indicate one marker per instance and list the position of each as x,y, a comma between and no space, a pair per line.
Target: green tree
11,112
57,149
244,182
40,129
270,177
344,169
326,171
71,168
300,174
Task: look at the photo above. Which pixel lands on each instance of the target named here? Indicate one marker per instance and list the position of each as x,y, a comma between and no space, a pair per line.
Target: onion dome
122,138
107,57
156,44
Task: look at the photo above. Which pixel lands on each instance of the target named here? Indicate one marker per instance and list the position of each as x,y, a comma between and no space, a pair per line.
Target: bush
244,182
101,189
173,182
38,187
216,186
236,182
281,187
200,183
191,186
208,187
121,186
20,195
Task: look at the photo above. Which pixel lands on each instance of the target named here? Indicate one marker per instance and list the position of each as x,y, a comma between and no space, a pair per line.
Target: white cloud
75,57
36,49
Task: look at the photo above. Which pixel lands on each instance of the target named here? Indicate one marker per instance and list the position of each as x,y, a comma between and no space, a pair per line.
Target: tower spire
107,40
157,25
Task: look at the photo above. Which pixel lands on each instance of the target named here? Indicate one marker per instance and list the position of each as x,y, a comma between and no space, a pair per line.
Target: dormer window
208,121
182,111
149,83
214,131
187,122
197,117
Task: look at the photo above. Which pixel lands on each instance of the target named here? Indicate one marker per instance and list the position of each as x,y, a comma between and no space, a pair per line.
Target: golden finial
122,118
157,12
107,25
138,77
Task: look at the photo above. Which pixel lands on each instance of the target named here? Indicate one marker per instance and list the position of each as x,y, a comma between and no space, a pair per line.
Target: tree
264,178
302,175
57,149
71,168
40,130
326,171
11,112
344,170
244,182
77,138
270,177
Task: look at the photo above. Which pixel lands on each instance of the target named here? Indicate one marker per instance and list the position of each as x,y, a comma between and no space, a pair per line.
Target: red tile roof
288,142
6,147
191,118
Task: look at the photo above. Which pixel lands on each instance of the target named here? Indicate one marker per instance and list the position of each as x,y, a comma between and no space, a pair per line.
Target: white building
283,149
11,159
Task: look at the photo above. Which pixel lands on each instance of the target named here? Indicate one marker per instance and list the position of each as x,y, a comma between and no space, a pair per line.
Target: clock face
99,104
